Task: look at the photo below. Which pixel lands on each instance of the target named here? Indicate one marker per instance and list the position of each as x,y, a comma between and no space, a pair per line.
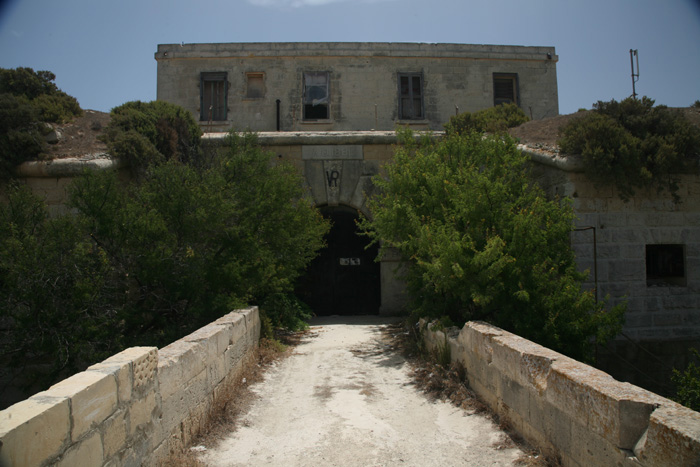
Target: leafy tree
633,145
491,120
189,244
53,105
144,134
483,242
53,308
688,383
28,100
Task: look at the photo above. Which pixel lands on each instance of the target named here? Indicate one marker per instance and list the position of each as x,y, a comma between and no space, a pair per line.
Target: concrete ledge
133,408
567,408
68,167
295,138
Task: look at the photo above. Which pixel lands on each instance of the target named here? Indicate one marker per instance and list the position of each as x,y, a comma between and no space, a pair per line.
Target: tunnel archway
345,278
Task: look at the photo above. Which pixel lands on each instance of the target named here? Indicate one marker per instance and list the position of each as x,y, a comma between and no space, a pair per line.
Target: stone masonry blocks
34,430
568,408
93,398
134,407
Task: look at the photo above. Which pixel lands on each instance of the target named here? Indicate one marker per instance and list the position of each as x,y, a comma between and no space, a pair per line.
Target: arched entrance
344,279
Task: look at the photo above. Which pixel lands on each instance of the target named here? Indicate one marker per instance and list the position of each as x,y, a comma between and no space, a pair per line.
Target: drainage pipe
278,114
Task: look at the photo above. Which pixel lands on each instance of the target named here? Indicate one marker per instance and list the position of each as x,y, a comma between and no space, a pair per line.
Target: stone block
178,406
141,411
114,434
612,410
188,357
87,453
24,434
673,433
133,367
93,398
628,270
214,337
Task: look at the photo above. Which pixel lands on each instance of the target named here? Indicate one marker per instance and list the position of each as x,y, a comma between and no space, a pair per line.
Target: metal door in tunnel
344,278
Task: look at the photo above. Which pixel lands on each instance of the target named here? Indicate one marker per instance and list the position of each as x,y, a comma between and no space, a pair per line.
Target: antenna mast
635,76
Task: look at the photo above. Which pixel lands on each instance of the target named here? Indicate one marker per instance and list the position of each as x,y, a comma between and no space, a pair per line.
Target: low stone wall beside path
566,408
135,407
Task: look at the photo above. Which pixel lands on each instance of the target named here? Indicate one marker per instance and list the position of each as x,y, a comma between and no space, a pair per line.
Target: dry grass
234,398
450,384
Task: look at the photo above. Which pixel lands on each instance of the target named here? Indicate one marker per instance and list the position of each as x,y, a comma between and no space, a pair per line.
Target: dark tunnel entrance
344,279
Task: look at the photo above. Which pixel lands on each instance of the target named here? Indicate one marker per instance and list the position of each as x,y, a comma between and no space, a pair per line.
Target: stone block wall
568,409
663,319
133,408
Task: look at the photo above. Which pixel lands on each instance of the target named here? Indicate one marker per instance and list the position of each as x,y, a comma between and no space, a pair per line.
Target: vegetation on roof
633,145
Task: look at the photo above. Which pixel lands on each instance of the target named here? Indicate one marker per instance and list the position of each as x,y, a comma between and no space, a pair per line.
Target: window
255,85
316,95
410,96
213,88
665,265
505,88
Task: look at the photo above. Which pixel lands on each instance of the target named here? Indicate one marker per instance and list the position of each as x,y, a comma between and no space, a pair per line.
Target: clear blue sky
102,51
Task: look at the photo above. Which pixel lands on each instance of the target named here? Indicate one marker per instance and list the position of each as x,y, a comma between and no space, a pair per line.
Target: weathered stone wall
566,408
364,81
133,408
662,320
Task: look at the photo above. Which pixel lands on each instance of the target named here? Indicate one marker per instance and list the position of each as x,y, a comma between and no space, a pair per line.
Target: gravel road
346,399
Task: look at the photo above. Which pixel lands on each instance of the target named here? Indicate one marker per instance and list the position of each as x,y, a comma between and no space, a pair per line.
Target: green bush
285,310
148,261
53,105
189,244
491,120
688,383
28,100
55,312
483,242
633,145
144,134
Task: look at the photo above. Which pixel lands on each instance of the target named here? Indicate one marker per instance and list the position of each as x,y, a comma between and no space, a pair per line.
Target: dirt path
345,399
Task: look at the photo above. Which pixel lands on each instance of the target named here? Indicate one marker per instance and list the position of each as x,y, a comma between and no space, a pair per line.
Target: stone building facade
331,109
351,86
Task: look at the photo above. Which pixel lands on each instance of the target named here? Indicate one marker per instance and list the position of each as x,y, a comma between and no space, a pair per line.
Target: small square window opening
505,88
255,85
213,89
665,265
316,96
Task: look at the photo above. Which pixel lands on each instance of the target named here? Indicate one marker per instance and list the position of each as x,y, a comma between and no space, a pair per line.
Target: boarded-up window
255,85
213,89
410,96
505,88
316,95
665,265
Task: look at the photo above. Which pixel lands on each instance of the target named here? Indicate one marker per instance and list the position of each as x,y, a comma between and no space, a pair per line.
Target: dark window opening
505,88
410,96
213,88
255,85
665,265
316,95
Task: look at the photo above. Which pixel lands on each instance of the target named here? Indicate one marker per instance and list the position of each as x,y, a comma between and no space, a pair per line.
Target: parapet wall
133,408
566,408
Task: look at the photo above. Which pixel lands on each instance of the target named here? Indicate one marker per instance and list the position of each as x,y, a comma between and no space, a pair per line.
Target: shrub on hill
144,134
633,145
491,120
29,100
